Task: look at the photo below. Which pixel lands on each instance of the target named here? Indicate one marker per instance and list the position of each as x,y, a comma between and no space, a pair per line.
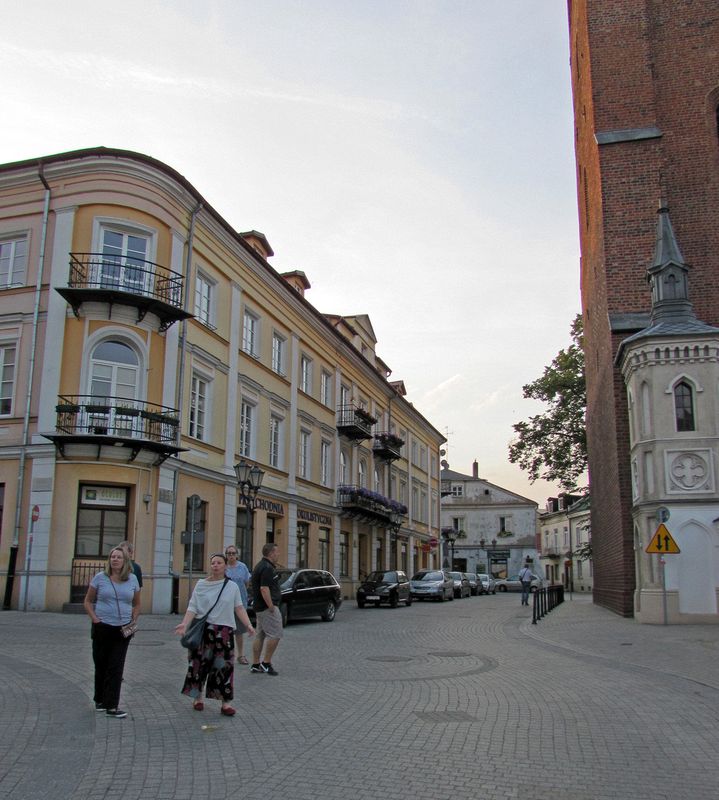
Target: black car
306,593
384,586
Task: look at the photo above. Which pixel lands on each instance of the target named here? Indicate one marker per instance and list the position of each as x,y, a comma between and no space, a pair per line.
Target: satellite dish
443,452
444,464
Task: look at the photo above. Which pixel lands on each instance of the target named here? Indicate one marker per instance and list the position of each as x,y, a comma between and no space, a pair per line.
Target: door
124,262
114,379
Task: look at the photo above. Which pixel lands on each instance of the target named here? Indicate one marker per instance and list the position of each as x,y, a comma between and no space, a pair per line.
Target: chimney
475,469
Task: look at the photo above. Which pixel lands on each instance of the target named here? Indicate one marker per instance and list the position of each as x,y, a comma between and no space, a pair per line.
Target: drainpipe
181,370
12,563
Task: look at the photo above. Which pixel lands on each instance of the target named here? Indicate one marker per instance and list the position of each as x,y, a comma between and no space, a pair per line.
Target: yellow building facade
147,348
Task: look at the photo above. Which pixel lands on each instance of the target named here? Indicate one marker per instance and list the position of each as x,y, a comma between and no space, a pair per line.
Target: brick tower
645,77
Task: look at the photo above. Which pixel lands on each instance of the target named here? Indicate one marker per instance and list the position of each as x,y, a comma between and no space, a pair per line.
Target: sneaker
268,669
256,668
116,713
100,707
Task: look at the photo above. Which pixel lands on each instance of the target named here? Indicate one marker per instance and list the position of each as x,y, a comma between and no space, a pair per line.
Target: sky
414,158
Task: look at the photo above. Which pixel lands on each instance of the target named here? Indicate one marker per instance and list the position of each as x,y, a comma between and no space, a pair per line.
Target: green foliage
584,551
553,445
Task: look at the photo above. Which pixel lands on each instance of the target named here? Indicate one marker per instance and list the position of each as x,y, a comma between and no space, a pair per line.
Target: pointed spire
668,275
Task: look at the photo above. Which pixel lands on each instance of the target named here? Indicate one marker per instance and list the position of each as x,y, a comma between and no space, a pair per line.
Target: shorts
269,624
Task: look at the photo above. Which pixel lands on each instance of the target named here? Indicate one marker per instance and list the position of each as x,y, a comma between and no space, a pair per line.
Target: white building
490,529
564,528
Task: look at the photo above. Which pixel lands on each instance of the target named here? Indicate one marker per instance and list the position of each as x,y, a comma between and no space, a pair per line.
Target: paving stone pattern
440,701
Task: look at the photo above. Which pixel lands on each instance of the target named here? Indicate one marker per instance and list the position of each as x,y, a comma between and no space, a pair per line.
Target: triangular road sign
662,542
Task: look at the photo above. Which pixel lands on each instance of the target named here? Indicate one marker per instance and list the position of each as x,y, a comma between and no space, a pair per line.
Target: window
423,457
505,524
423,506
343,467
13,254
344,555
326,388
684,406
403,492
415,503
303,535
305,454
306,374
205,300
124,261
457,490
414,452
376,484
198,407
579,570
114,371
195,523
275,441
247,428
344,395
7,378
250,334
102,515
326,464
324,548
279,345
362,473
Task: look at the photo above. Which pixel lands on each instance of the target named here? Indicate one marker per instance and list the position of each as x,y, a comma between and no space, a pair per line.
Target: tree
553,445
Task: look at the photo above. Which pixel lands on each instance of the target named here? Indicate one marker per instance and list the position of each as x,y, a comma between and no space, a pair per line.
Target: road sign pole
662,563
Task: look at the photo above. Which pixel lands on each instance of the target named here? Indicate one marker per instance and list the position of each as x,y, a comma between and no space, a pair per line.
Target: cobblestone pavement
453,700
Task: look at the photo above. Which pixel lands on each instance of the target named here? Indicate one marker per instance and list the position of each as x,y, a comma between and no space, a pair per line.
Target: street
454,700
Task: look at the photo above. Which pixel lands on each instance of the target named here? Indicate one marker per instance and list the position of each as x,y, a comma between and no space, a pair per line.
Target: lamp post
450,536
249,481
395,523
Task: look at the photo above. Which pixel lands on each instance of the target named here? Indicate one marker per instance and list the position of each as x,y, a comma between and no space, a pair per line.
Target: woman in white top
212,664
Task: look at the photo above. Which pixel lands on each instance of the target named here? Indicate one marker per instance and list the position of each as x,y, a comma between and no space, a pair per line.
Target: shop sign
104,496
271,506
313,516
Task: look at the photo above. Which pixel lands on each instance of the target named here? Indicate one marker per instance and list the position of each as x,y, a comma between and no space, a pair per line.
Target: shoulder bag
195,631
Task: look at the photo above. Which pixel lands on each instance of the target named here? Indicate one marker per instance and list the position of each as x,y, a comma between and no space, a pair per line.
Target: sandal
198,705
242,660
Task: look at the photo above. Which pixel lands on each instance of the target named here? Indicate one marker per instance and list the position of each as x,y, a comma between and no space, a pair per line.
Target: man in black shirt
267,596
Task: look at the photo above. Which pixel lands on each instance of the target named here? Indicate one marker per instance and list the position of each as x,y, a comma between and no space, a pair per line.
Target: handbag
195,631
131,628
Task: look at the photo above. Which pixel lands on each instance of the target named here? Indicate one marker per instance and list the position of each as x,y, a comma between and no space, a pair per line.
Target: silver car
433,583
473,583
486,584
513,584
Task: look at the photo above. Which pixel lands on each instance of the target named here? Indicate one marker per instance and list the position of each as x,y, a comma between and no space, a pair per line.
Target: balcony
145,431
357,502
121,280
387,446
551,551
354,423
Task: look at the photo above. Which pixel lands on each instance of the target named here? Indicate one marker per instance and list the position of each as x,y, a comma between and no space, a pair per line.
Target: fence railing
80,576
545,600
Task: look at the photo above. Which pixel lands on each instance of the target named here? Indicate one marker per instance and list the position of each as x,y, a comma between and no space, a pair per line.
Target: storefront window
303,535
101,520
324,548
344,555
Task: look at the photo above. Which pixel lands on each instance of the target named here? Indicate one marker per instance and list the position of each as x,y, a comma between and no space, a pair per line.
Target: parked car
513,584
486,584
306,593
461,584
473,583
384,587
434,583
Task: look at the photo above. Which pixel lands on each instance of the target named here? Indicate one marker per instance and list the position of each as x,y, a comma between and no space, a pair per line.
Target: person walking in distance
525,576
267,596
129,548
237,571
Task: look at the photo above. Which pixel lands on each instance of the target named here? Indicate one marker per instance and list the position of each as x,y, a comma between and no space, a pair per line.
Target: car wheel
360,603
285,614
409,600
393,601
329,612
494,591
502,588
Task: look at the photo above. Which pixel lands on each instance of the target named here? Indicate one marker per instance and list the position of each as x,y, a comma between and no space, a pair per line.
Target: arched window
684,406
363,473
114,371
343,467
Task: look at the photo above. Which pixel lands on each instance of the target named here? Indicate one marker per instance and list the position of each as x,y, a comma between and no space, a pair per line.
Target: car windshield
382,577
428,576
483,577
456,575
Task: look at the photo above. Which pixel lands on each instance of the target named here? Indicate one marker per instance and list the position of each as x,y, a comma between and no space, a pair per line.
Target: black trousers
109,648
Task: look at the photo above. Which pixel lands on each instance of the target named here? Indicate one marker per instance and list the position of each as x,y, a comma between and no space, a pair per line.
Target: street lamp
249,480
450,536
395,523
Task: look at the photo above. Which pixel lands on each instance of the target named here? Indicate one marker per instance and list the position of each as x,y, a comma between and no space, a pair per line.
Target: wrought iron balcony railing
354,422
90,415
124,279
387,446
356,501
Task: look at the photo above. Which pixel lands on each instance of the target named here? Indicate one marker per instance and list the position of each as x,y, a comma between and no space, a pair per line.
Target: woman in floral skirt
212,665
